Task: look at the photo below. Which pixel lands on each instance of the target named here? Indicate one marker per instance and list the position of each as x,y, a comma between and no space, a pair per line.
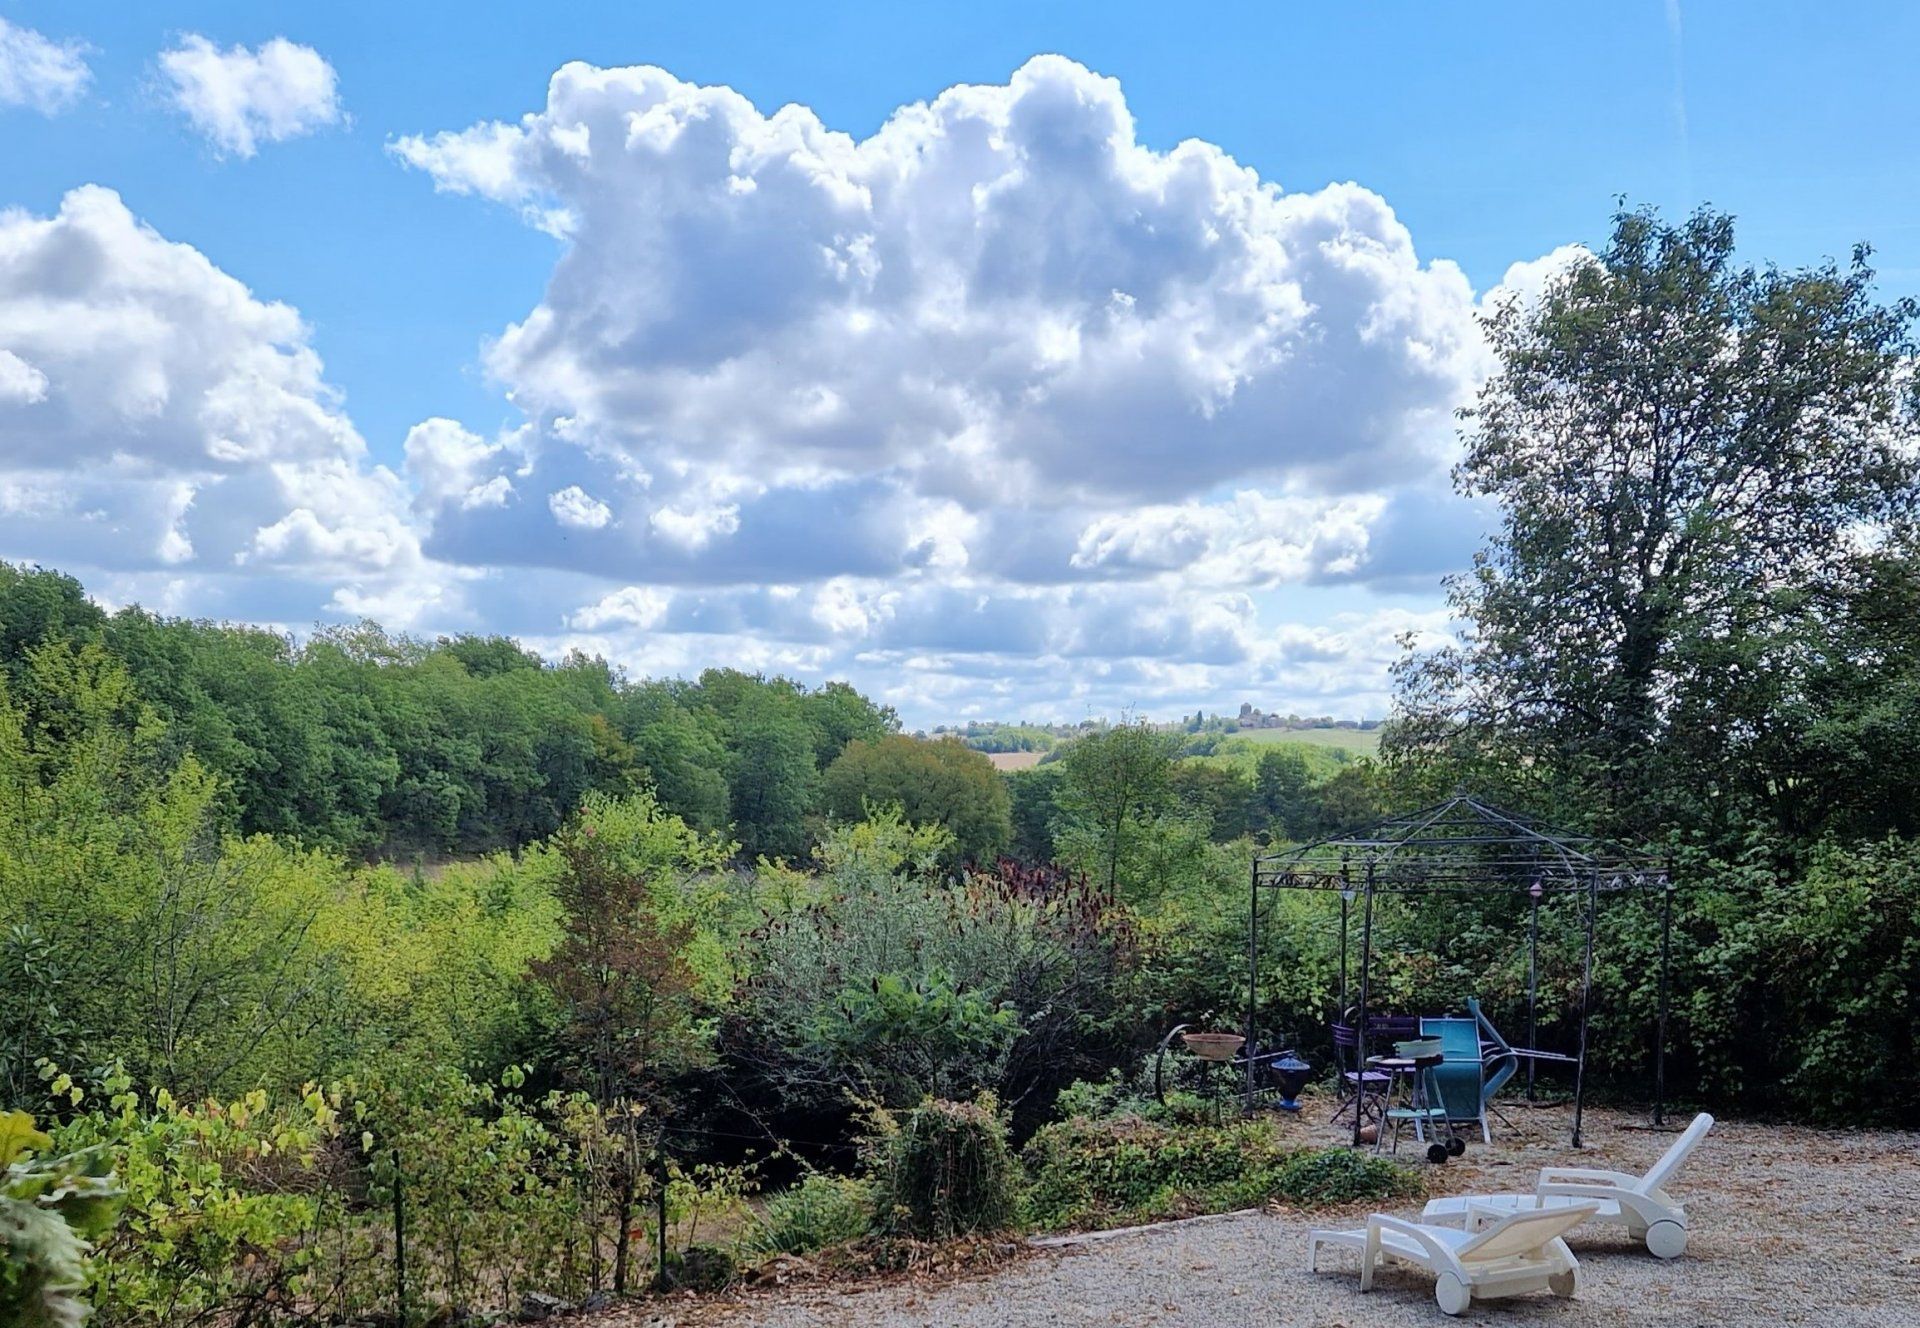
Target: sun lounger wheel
1666,1239
1453,1294
1564,1284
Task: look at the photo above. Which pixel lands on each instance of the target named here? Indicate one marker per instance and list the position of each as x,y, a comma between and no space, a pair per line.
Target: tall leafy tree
839,715
1281,801
624,976
1689,456
683,751
1034,810
942,783
39,606
1115,792
770,774
1216,793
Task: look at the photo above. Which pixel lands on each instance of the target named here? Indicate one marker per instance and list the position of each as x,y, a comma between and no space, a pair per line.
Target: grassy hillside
1361,742
1323,761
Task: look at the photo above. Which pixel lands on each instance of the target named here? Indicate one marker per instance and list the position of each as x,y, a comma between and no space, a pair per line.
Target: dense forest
388,748
382,746
292,928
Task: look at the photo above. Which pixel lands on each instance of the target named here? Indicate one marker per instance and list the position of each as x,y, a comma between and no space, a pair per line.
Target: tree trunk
623,1211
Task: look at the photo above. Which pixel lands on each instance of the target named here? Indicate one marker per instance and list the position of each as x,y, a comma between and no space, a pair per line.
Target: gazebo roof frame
1463,835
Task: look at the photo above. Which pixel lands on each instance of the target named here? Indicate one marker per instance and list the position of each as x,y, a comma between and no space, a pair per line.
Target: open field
1362,742
1352,742
1790,1226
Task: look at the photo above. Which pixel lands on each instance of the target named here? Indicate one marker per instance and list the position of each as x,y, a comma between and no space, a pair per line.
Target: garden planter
1213,1046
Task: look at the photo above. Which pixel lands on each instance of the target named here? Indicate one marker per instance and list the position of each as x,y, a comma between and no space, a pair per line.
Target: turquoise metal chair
1470,1075
1498,1062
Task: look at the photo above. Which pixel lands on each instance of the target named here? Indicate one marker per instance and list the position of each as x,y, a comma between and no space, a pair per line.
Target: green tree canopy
770,773
1215,792
1115,793
942,783
1690,456
386,746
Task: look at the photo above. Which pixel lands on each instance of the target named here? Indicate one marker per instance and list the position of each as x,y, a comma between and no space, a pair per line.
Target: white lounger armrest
1380,1222
1589,1190
1558,1176
1637,1206
1437,1257
1480,1216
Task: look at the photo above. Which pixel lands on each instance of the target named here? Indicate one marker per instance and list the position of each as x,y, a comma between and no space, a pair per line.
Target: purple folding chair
1383,1030
1357,1084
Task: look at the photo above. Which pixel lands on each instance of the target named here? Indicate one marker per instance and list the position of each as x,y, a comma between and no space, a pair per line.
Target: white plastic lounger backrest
1524,1232
1675,1157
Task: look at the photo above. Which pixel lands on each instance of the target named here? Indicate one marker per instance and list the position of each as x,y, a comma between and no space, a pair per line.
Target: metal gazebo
1464,845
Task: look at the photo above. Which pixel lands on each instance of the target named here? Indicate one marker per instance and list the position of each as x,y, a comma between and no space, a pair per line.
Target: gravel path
1753,1259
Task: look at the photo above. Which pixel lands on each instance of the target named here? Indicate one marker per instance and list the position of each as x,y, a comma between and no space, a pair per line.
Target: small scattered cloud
576,509
240,98
20,382
638,607
695,528
38,73
449,465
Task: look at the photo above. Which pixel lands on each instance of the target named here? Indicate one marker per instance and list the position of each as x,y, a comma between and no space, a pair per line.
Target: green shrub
1100,1099
1116,1098
225,1202
1799,980
501,1195
819,1212
697,1268
1322,1176
1098,1173
50,1208
946,1171
883,973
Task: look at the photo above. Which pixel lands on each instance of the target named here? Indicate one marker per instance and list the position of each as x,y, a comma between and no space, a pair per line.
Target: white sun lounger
1641,1204
1501,1253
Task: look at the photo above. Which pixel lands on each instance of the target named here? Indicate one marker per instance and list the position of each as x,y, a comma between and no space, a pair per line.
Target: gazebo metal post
1253,975
1586,1005
1360,1019
1346,899
1533,978
1660,1035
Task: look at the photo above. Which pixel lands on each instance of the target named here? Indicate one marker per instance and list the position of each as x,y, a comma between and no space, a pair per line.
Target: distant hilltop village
1031,736
1252,717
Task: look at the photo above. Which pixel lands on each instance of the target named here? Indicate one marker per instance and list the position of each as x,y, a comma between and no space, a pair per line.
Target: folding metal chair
1357,1084
1469,1077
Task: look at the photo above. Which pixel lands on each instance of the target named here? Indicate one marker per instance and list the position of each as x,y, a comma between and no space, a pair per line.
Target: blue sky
1495,134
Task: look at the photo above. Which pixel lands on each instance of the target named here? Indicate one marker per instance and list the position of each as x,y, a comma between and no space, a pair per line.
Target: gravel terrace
1789,1226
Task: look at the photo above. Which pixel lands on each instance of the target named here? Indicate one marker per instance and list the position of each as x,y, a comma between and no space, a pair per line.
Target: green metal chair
1468,1078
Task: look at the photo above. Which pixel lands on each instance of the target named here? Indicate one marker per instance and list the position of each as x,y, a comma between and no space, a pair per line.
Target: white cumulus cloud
698,527
1001,293
992,404
35,72
996,410
239,98
632,606
448,464
156,414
